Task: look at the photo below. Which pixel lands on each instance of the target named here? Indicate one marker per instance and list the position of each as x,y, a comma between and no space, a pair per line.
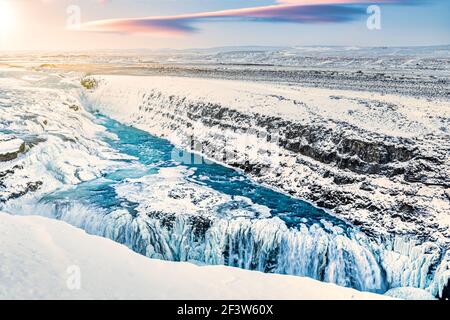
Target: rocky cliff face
379,162
372,160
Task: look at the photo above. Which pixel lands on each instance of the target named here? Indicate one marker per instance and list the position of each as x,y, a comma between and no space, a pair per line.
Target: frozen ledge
41,259
10,147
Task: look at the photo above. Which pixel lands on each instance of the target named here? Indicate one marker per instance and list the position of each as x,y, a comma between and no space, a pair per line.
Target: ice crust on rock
10,147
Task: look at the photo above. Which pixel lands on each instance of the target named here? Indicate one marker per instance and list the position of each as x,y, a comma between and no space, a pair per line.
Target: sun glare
7,18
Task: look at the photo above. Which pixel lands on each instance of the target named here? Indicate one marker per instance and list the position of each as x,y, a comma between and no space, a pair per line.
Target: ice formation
111,271
349,153
162,213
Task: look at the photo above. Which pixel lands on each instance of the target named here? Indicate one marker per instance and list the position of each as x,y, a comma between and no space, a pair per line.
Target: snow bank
10,147
409,294
41,259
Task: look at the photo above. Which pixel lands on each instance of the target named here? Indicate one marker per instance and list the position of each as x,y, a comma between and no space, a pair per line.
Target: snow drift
39,257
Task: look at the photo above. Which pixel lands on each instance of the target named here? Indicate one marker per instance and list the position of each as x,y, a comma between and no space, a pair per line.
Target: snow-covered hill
48,259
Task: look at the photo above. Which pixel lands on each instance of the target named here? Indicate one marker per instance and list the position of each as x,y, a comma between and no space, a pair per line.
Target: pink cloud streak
294,11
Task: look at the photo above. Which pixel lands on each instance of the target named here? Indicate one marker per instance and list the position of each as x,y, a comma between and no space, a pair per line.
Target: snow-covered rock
173,221
10,147
378,161
48,259
60,139
409,294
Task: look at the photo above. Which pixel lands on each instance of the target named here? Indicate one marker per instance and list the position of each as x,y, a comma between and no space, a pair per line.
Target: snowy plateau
314,169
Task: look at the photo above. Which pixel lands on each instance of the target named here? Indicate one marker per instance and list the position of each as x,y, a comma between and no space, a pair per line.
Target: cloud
292,11
329,2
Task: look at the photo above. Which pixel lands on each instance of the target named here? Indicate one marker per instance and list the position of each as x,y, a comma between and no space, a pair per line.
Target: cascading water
127,187
206,213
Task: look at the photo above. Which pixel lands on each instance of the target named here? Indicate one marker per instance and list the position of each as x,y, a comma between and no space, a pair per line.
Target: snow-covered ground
47,259
379,161
413,71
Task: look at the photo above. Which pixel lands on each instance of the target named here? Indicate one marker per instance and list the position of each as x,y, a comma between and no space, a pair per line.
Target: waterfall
266,245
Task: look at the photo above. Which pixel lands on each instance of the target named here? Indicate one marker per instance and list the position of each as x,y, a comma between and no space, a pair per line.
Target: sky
154,24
